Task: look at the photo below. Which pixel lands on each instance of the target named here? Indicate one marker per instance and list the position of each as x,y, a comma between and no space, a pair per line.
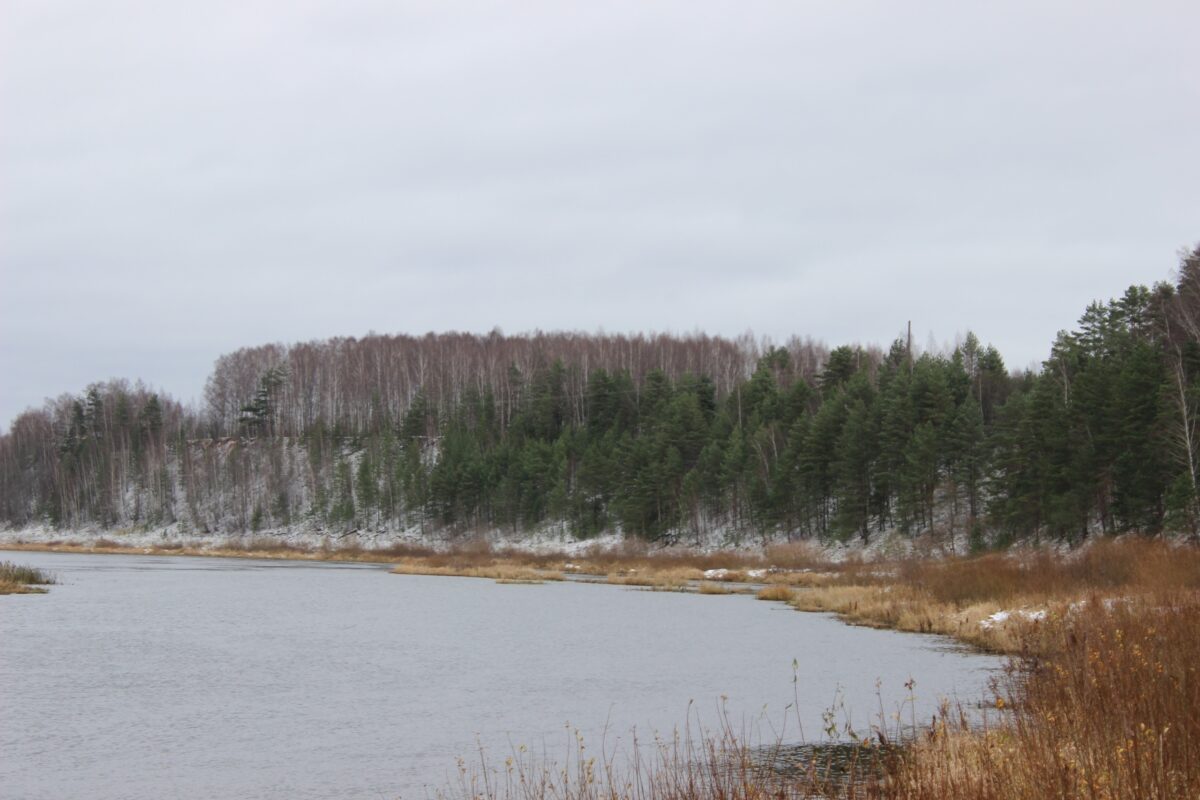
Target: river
152,677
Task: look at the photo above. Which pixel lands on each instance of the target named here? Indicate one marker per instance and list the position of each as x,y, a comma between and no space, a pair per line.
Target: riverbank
249,548
986,601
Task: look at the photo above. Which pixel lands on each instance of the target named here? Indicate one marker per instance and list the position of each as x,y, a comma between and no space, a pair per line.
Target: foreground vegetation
19,579
1108,710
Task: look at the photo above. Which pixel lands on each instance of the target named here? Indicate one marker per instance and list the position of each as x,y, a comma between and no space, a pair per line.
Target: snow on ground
1001,617
174,535
549,539
552,538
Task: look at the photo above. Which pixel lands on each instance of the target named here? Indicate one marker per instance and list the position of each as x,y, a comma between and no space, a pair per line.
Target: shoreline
281,554
874,594
868,595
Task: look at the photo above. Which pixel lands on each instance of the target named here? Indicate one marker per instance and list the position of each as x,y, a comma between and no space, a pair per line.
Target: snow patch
1001,617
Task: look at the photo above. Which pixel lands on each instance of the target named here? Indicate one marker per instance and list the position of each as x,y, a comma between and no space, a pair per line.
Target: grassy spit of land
630,564
19,579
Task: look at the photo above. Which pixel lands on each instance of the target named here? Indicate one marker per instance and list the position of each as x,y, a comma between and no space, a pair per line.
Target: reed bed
21,579
988,601
501,573
676,578
1108,711
776,592
477,559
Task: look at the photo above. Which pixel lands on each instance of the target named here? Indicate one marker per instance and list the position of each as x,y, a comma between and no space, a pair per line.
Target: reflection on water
151,676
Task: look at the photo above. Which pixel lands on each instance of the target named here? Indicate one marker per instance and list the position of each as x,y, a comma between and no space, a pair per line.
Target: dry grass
20,579
1132,564
956,597
796,556
501,573
477,559
674,578
708,587
776,592
1107,711
903,608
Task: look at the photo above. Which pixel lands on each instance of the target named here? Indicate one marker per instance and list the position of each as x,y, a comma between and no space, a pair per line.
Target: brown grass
708,587
501,573
955,597
677,578
795,556
477,559
20,579
775,592
1109,710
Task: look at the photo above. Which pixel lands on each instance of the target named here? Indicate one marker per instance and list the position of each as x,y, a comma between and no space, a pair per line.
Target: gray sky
180,179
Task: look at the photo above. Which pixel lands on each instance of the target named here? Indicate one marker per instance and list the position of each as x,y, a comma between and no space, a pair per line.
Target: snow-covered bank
175,536
550,539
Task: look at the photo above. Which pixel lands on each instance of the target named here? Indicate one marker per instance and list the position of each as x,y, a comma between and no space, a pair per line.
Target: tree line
668,438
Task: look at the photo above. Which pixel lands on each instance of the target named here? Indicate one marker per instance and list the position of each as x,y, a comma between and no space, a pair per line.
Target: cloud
182,179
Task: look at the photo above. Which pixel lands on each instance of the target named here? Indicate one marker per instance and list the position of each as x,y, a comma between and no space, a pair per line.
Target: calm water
157,677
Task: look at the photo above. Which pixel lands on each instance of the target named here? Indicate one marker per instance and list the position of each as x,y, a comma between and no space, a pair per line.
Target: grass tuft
776,592
20,579
673,578
501,573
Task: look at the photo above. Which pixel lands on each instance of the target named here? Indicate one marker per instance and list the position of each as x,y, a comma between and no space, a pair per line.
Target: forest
669,438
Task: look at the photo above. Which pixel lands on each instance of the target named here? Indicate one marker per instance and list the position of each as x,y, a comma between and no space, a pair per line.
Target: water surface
142,677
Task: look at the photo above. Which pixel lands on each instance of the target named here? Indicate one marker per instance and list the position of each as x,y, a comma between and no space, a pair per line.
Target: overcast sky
180,179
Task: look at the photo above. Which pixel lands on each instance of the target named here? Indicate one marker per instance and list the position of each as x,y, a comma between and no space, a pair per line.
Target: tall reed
1109,710
16,578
